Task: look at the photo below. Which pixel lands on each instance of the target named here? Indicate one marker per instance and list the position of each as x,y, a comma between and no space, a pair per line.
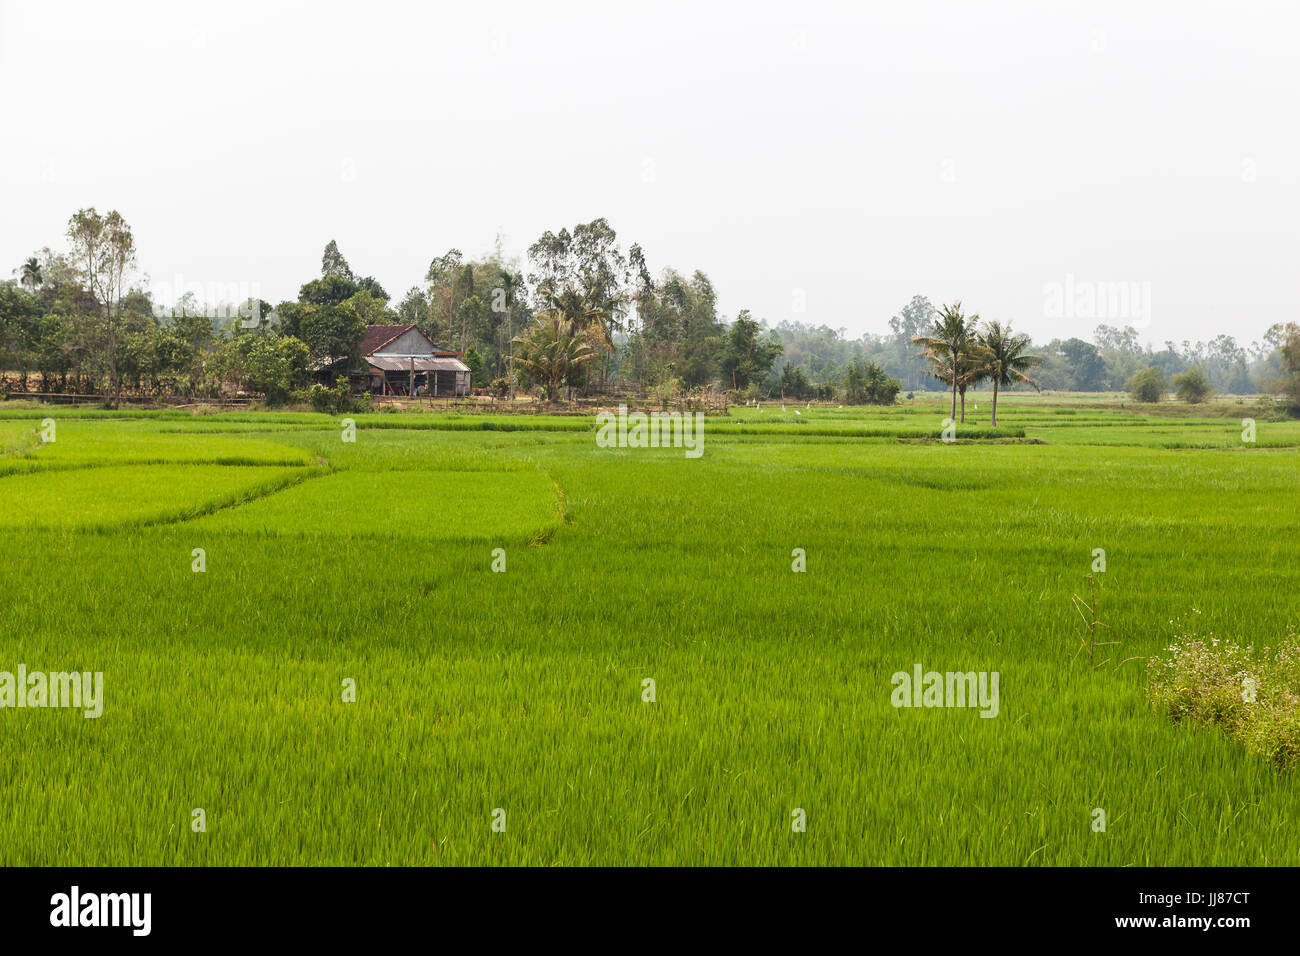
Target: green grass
17,436
501,508
522,690
127,495
141,442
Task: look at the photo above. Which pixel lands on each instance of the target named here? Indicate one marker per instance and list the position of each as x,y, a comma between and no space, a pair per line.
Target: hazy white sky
842,157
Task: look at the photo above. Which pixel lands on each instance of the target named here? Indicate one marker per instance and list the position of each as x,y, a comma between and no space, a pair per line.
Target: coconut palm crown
947,346
1004,359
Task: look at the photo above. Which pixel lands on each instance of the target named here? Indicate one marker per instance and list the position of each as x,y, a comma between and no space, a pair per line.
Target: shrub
881,389
1147,385
1192,386
1253,697
794,382
1288,384
666,392
337,399
867,384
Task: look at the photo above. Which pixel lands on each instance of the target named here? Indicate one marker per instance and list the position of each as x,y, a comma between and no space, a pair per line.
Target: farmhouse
402,360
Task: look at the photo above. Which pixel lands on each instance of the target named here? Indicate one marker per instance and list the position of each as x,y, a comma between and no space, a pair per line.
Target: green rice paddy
331,564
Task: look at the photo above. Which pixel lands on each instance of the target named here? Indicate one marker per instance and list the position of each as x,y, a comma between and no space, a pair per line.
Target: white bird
797,412
782,408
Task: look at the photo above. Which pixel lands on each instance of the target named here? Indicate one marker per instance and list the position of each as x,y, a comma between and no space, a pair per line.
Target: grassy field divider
242,497
471,425
542,538
842,431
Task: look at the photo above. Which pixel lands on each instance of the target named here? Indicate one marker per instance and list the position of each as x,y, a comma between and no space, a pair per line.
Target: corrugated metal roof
389,364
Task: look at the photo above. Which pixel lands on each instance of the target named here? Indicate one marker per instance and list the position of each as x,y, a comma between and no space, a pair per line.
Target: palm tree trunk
995,403
963,406
953,415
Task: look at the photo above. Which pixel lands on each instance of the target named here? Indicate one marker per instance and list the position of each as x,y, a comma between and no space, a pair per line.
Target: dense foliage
82,321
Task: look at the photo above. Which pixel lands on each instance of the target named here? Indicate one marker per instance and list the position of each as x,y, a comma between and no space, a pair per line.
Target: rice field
483,639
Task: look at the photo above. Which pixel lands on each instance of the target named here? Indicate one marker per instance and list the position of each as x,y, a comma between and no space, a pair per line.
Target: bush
1148,385
265,362
666,392
794,382
337,399
1253,697
869,385
1288,383
1192,386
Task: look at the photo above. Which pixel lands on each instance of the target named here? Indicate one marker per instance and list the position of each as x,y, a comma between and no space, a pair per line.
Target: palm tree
970,371
511,285
31,274
553,347
1001,354
947,345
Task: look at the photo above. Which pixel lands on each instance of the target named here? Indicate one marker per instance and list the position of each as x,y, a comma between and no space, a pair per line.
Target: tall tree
1004,358
327,290
332,332
332,263
371,284
907,325
946,345
442,283
970,372
507,299
554,348
103,250
748,356
1087,369
19,329
586,265
31,274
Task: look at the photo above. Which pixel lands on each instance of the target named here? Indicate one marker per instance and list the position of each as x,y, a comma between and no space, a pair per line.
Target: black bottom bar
333,906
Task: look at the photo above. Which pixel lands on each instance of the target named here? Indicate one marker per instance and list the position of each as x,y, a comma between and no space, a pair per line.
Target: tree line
1104,363
579,315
